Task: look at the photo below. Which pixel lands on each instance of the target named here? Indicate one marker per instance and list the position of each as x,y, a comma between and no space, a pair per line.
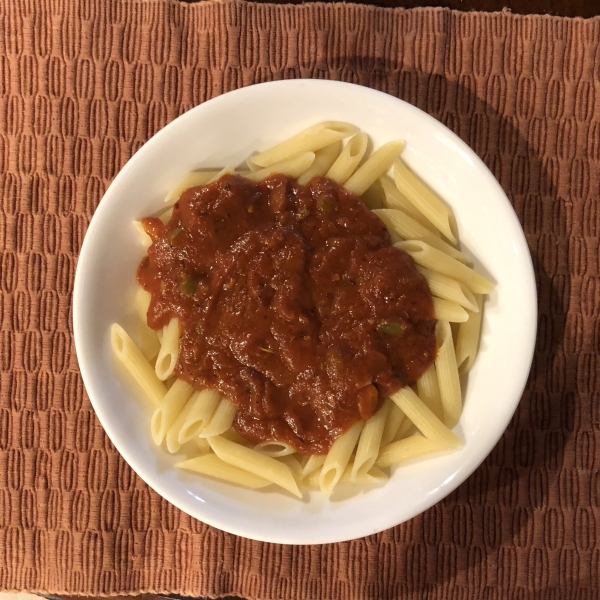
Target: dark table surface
565,8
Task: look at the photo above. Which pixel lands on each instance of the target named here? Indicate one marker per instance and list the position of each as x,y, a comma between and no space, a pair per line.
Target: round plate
224,131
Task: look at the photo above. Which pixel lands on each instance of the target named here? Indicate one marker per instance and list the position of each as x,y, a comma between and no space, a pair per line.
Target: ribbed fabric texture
84,84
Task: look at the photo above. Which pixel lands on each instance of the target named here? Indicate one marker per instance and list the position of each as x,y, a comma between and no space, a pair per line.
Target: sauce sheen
291,302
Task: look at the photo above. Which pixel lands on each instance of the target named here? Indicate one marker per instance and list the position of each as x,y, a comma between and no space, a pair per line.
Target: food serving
281,331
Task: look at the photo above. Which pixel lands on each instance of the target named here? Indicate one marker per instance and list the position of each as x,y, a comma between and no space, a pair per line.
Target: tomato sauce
291,302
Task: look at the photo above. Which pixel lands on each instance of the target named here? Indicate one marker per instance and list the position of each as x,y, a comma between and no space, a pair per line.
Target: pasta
467,340
169,350
310,140
410,423
349,159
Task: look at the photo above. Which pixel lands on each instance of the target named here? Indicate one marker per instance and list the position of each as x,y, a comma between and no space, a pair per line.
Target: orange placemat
84,84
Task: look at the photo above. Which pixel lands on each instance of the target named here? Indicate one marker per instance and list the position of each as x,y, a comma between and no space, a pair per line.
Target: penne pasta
275,449
374,477
428,389
324,158
426,422
256,463
165,215
293,167
312,465
447,372
190,180
338,458
374,167
221,419
203,445
467,340
197,414
449,289
224,171
149,344
406,428
394,198
395,419
309,140
425,200
191,420
135,363
349,159
291,461
370,441
409,448
213,466
168,410
449,311
427,256
374,197
144,238
408,229
169,350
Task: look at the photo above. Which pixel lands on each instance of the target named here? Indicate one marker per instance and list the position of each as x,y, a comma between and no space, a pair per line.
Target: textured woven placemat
84,84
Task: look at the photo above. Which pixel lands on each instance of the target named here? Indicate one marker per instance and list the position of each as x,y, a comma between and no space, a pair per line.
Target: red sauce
291,302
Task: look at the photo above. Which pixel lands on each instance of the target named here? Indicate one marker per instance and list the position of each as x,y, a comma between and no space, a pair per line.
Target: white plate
224,131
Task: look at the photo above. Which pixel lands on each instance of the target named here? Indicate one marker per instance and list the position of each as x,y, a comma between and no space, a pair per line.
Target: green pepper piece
391,328
189,285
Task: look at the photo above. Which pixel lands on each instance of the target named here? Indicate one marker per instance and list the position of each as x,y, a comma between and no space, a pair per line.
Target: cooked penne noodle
165,215
449,311
313,464
197,414
168,410
447,372
426,422
374,477
427,256
233,436
395,419
310,140
449,289
425,200
213,466
144,238
292,462
275,449
256,463
135,363
407,427
203,445
190,180
187,425
374,167
428,389
149,344
338,457
370,441
292,167
324,158
394,198
467,340
221,420
414,446
374,197
349,159
408,229
169,350
224,171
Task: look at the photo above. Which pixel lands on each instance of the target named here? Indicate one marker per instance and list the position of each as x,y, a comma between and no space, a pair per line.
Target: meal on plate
304,320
